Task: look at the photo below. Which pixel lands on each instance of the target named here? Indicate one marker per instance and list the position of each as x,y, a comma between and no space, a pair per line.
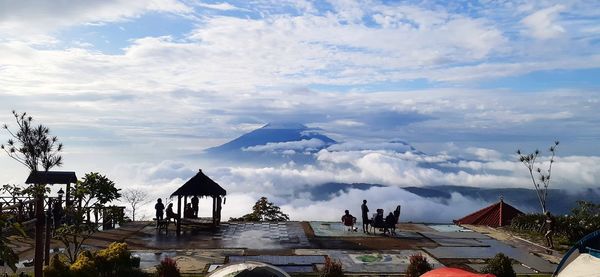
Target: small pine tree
500,265
332,268
418,266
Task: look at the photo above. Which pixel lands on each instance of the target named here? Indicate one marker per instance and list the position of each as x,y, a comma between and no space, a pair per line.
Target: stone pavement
384,261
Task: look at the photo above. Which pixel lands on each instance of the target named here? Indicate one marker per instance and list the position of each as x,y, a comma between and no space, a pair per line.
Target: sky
137,89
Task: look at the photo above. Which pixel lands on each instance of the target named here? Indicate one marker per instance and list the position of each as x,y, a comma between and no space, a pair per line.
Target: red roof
495,215
453,272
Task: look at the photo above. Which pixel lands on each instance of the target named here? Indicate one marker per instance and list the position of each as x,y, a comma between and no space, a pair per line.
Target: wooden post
38,264
213,209
68,196
48,231
178,215
184,204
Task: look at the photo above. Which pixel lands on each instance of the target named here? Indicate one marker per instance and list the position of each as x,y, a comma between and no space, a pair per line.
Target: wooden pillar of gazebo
184,204
214,206
179,215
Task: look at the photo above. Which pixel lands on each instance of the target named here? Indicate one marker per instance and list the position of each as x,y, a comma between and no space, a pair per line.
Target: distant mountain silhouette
560,201
273,143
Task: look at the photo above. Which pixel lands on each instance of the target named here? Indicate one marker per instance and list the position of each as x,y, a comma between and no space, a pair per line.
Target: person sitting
390,224
189,211
170,213
349,220
378,221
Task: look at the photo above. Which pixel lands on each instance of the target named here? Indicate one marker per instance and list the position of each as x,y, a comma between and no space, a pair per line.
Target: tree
136,198
500,266
263,210
93,191
543,180
33,147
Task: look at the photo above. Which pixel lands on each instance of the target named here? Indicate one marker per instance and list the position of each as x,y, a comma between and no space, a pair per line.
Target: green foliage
115,260
500,265
6,252
167,268
95,190
418,266
84,266
32,146
73,237
57,268
332,268
583,220
263,210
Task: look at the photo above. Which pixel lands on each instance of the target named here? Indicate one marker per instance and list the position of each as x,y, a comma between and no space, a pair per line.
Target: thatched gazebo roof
200,185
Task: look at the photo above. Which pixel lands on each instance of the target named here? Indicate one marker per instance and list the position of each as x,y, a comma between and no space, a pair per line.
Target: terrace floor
300,247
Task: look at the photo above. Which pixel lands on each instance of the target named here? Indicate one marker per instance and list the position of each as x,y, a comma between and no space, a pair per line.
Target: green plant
84,266
167,268
584,219
263,210
115,260
332,268
33,147
418,266
540,185
57,268
500,265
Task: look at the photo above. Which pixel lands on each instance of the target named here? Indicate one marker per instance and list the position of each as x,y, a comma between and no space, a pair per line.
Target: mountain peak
285,125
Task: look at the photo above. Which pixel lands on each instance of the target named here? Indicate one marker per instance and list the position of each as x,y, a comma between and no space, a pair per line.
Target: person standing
549,225
159,207
195,206
365,216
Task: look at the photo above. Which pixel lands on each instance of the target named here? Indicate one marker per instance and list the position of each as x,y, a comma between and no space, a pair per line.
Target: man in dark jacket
365,217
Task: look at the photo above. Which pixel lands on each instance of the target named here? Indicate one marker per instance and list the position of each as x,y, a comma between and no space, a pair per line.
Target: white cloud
484,154
224,6
543,24
25,18
300,145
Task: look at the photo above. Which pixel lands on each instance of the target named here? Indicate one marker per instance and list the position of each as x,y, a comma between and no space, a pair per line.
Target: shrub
500,265
332,268
583,220
115,260
56,268
84,266
167,268
418,266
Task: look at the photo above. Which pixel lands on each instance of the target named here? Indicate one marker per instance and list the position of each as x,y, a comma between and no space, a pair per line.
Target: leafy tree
543,180
33,147
136,198
500,265
263,210
93,191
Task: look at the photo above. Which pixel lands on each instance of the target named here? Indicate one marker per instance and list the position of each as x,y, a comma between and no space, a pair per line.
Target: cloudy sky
136,89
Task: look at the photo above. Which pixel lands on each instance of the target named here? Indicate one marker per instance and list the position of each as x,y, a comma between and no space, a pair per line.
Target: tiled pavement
261,235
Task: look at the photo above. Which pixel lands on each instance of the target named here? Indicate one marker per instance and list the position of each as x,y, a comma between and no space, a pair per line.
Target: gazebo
200,186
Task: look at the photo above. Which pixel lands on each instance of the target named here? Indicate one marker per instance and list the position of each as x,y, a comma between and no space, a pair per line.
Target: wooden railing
22,210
